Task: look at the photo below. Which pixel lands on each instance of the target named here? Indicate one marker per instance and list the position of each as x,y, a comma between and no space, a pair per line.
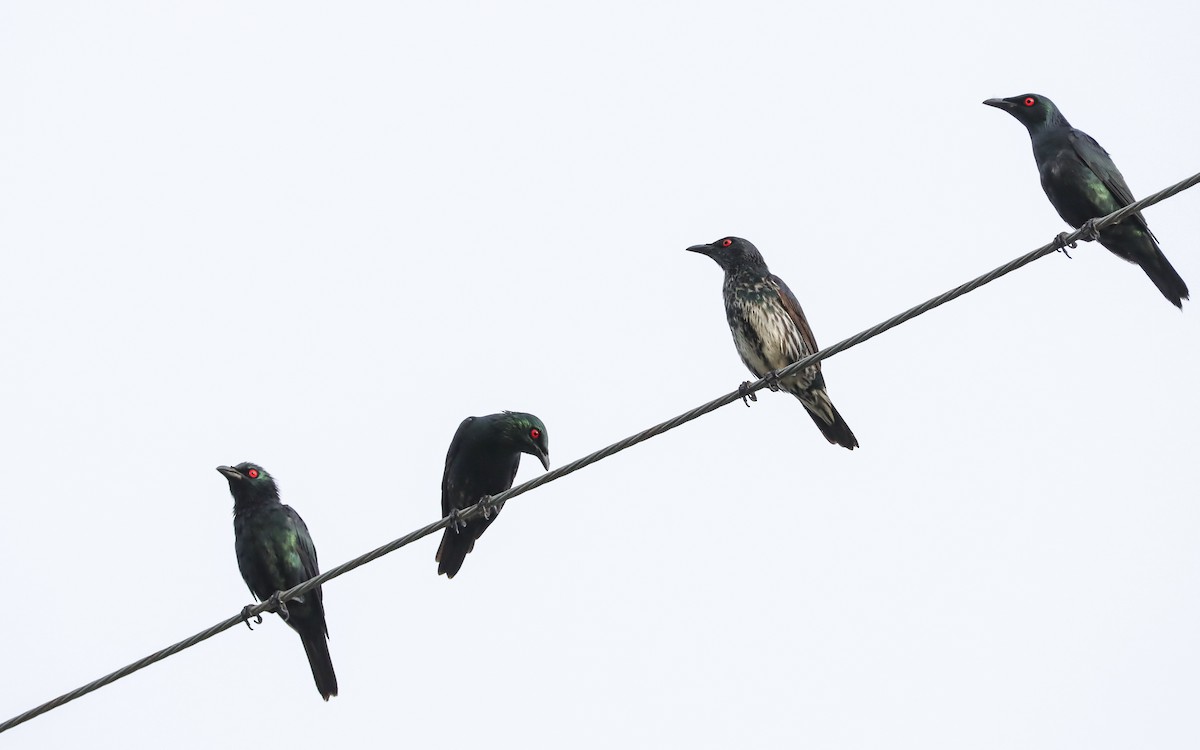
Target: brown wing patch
791,305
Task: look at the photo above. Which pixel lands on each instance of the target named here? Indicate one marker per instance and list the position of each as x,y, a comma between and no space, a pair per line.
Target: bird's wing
304,546
307,552
1097,159
791,305
447,503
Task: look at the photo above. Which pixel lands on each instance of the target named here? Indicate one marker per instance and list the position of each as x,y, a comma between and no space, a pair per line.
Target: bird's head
250,482
528,435
733,254
1033,110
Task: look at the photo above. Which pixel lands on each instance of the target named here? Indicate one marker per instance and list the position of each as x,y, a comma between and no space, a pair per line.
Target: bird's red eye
1030,101
726,243
535,433
253,473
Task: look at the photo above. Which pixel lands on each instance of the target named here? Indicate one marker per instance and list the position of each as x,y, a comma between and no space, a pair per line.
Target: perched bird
483,460
275,553
1082,183
770,331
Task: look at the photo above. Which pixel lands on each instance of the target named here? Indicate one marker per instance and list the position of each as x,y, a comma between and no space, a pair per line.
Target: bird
482,460
1083,183
275,552
770,331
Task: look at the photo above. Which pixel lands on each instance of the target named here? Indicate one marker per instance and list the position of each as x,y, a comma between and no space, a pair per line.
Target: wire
487,504
1063,240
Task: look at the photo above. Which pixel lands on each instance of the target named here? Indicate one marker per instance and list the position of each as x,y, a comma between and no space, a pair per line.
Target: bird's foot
1090,232
1060,242
277,606
772,379
745,392
246,616
486,506
456,523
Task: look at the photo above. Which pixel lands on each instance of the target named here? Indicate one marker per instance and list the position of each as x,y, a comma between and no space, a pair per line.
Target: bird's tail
453,551
1166,278
1135,243
825,414
316,646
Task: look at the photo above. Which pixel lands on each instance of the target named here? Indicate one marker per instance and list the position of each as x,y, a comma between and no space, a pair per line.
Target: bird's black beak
702,249
543,457
230,472
1000,104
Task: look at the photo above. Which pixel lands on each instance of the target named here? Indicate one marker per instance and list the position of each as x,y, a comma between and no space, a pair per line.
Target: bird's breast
764,334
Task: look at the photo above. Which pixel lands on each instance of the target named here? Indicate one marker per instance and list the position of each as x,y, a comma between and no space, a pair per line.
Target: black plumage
275,552
1083,183
483,460
770,330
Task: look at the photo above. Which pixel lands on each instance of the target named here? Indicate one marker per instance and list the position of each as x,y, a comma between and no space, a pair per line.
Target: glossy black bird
1083,183
275,553
483,460
770,330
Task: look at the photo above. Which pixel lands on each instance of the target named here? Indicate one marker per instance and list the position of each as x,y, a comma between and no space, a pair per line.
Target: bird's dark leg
745,392
1090,232
246,616
456,522
485,505
772,379
1061,243
278,606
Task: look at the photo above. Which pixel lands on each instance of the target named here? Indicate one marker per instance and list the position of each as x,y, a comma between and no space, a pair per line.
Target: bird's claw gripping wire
772,379
1061,244
487,507
246,616
456,523
745,392
1088,233
277,606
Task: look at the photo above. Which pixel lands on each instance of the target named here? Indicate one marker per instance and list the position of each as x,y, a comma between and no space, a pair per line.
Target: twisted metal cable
243,616
855,340
488,504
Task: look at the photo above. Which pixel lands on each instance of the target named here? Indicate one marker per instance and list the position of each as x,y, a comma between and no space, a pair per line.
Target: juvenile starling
275,553
1083,183
483,460
770,331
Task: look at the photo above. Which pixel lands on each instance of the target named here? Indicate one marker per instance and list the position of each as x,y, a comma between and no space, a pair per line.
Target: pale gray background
318,235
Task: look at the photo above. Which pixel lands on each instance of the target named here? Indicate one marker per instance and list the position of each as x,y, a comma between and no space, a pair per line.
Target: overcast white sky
317,236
